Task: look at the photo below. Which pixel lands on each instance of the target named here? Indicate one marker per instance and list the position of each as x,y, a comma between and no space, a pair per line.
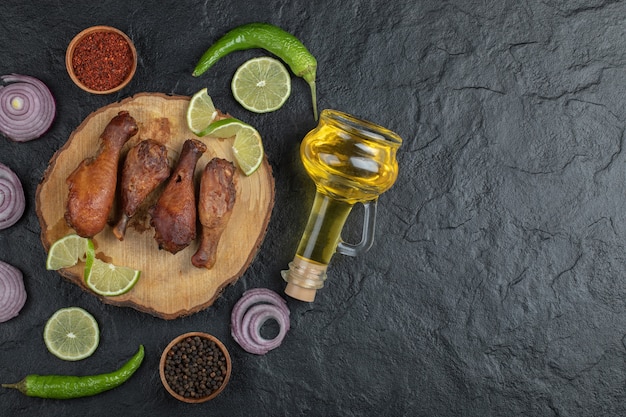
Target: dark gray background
496,283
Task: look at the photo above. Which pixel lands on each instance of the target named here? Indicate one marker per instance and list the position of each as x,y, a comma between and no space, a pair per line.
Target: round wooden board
170,286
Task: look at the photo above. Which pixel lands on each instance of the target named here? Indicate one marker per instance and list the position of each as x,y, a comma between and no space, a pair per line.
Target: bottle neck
307,271
304,277
323,230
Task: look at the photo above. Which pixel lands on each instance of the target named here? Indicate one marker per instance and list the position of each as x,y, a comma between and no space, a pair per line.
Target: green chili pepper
69,386
271,38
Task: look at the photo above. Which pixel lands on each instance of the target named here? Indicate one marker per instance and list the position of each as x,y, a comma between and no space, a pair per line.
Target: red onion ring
12,291
253,309
12,200
27,108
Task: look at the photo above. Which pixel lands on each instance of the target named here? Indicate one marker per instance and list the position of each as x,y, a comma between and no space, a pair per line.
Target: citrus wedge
248,150
109,280
71,334
200,112
261,85
224,128
66,252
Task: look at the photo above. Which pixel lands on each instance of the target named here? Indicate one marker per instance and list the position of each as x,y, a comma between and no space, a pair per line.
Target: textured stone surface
496,285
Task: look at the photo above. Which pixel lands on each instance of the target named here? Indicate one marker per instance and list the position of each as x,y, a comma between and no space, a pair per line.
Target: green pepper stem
309,77
20,386
314,98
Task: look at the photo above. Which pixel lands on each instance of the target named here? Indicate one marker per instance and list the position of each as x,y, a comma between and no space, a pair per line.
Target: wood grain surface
170,286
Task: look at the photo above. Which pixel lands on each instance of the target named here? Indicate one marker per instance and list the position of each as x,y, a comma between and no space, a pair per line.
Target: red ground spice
102,60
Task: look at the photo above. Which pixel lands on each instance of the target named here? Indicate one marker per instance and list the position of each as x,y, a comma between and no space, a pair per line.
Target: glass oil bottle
351,161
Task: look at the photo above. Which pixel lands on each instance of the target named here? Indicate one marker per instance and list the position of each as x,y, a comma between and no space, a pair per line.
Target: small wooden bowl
213,394
96,29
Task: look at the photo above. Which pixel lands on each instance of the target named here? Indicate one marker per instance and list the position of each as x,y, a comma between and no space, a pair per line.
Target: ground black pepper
102,60
195,367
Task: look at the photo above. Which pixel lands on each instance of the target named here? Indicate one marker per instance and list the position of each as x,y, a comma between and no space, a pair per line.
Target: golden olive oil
323,231
349,164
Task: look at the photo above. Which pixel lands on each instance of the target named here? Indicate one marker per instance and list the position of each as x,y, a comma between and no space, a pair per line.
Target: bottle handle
367,235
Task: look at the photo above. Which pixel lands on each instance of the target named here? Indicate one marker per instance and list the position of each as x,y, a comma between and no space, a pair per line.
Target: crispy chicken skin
215,205
145,168
174,214
92,184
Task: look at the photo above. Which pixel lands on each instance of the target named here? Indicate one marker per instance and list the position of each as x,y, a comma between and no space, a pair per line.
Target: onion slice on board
12,291
27,107
12,200
253,309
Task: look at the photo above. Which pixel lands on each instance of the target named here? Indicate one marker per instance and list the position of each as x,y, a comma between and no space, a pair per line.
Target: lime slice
66,252
71,334
261,85
224,128
107,279
91,252
200,112
248,150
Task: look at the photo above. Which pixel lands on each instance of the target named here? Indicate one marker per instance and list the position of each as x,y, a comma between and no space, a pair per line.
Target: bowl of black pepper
195,367
101,59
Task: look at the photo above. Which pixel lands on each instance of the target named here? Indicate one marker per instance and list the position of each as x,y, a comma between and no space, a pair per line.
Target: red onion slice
253,309
27,107
12,291
12,200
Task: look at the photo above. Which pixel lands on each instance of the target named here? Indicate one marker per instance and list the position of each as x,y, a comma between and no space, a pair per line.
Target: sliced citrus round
248,150
224,128
71,334
261,85
66,252
109,280
200,112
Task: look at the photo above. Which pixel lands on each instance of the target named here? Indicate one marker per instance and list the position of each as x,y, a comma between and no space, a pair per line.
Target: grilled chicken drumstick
92,184
215,205
146,166
174,214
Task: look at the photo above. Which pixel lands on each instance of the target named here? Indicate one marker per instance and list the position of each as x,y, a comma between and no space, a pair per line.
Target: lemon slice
71,334
248,149
224,128
66,252
200,112
261,85
107,279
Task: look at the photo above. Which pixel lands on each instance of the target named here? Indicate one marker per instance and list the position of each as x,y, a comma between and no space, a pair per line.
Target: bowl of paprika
195,367
101,60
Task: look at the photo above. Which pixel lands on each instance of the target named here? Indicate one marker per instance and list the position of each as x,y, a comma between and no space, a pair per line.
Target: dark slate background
496,283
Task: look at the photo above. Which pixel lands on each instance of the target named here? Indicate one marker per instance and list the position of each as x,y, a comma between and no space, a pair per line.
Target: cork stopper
300,293
304,277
